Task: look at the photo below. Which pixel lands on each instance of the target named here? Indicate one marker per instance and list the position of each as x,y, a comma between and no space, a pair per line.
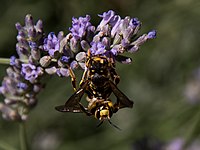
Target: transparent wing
73,103
122,99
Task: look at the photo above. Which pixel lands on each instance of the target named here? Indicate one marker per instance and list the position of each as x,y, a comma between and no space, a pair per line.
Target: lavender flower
151,34
135,45
80,26
62,72
9,113
31,72
52,43
176,144
12,60
21,84
29,39
106,17
97,48
59,54
192,88
19,94
65,59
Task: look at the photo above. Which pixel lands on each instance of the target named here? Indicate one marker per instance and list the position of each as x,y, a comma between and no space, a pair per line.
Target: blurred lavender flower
192,88
20,94
195,145
21,84
176,144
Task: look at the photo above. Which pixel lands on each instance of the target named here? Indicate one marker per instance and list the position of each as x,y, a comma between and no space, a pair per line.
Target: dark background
162,74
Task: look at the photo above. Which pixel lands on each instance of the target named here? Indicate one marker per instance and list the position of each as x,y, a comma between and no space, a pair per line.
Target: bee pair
99,81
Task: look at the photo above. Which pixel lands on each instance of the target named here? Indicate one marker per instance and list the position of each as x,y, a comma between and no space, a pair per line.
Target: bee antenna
100,124
114,125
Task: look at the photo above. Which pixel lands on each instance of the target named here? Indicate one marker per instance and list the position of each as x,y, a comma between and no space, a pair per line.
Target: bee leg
84,109
73,78
116,106
115,77
83,78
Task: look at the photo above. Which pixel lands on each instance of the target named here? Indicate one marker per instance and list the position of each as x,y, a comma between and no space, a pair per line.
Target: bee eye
97,114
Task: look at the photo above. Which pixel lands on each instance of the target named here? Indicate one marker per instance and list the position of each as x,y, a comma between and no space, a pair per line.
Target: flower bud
80,57
39,26
29,20
85,45
64,72
74,65
51,70
36,54
8,113
45,61
18,26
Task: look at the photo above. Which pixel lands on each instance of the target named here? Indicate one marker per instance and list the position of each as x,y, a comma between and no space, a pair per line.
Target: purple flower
97,48
62,72
18,26
74,64
115,25
176,144
33,45
31,72
29,37
29,20
51,44
134,22
9,113
114,51
12,60
117,49
22,85
106,17
65,59
80,26
135,45
151,34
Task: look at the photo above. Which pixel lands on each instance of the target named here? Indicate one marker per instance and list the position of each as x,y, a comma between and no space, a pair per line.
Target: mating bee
99,80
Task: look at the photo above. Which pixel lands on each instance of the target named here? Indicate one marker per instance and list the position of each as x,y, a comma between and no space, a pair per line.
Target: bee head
104,112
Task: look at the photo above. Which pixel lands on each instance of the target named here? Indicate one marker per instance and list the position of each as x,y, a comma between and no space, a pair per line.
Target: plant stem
5,146
23,136
6,61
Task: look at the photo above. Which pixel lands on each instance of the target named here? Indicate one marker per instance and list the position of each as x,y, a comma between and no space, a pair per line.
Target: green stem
192,129
5,146
23,136
6,61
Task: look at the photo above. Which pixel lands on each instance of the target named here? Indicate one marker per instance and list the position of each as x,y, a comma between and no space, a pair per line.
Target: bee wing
73,103
122,99
63,108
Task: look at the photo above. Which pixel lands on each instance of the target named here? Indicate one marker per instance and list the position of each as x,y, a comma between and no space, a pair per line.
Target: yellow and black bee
99,80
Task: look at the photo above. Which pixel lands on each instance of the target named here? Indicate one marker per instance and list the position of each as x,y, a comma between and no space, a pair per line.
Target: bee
99,81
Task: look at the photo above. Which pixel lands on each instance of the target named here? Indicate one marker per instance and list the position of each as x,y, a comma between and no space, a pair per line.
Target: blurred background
163,80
